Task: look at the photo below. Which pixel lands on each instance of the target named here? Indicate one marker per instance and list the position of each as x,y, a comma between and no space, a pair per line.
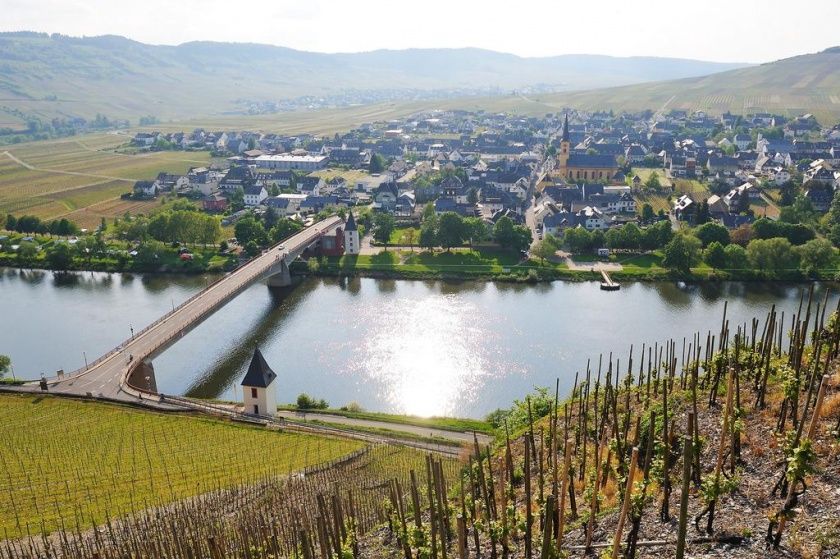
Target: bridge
122,374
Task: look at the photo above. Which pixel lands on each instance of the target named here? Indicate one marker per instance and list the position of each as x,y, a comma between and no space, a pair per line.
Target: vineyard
726,442
65,463
81,179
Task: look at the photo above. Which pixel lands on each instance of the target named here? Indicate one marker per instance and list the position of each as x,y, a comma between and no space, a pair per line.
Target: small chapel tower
258,391
351,236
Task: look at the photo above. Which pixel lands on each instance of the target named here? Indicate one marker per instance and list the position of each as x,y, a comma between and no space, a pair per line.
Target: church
583,166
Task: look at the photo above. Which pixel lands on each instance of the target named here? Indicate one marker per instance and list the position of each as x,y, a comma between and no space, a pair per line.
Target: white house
351,236
258,392
255,194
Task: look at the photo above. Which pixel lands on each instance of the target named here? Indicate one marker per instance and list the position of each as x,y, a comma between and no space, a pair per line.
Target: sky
716,30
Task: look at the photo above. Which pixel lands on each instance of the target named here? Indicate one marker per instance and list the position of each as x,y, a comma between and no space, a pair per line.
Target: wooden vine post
628,491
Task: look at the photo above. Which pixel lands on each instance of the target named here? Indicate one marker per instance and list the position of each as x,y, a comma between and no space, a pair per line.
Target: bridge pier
280,275
143,377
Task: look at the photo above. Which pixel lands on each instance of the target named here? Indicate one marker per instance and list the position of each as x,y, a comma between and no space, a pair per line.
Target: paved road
106,377
413,429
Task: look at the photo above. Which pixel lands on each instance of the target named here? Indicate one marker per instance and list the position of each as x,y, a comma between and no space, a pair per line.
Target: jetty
608,284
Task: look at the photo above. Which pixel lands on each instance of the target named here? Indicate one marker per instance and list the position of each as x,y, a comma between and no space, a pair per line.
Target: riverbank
506,267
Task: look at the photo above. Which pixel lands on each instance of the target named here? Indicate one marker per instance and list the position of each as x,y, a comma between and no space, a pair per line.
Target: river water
420,347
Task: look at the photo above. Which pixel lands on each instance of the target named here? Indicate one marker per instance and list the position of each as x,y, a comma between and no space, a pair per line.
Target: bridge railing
310,235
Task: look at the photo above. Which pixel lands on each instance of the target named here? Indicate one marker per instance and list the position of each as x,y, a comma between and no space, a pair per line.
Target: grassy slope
61,454
807,83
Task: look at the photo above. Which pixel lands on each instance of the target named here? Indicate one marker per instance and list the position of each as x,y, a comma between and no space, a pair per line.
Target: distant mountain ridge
56,75
808,83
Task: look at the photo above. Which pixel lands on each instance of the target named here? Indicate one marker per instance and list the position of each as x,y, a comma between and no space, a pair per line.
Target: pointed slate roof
259,373
351,223
565,137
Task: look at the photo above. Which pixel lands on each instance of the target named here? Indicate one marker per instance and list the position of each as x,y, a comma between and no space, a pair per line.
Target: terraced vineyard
66,462
81,178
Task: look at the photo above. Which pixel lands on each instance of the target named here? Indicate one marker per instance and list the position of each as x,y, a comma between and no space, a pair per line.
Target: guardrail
309,235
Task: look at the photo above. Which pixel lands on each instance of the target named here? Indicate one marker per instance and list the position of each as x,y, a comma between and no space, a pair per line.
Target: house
684,207
722,163
303,162
314,204
170,182
258,391
742,141
592,219
385,196
237,177
819,195
556,224
452,187
311,185
255,194
286,204
443,205
405,204
145,189
214,203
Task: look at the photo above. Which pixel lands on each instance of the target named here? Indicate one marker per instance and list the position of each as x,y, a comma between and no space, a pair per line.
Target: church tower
351,236
565,145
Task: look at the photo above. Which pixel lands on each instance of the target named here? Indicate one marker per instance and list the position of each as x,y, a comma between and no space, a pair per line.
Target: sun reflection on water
426,355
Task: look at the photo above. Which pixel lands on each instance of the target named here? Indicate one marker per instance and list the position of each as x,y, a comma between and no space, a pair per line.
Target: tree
736,257
428,212
544,248
451,230
709,233
285,228
237,199
522,238
772,255
270,218
647,212
5,365
652,182
410,234
377,163
577,239
816,255
702,214
742,235
428,235
682,252
503,231
26,252
60,256
657,235
472,196
715,255
383,227
248,229
474,230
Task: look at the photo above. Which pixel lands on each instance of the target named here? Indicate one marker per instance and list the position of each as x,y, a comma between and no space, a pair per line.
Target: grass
81,178
400,236
66,458
645,173
445,423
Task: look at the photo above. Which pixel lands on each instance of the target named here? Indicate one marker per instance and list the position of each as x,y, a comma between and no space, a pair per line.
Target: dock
608,284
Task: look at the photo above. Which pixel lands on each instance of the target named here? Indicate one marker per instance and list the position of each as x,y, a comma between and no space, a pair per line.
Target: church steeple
565,136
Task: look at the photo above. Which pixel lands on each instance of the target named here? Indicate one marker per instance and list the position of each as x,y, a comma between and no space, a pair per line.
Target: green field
81,178
66,460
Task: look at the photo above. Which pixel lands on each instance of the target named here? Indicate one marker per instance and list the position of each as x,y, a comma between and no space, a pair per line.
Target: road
107,376
461,437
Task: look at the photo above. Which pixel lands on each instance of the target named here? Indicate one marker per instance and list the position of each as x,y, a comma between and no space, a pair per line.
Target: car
281,247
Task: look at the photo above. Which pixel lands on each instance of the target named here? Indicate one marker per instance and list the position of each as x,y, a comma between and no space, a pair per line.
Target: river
420,347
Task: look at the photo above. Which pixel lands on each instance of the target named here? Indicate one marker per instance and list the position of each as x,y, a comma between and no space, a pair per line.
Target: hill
806,83
53,75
